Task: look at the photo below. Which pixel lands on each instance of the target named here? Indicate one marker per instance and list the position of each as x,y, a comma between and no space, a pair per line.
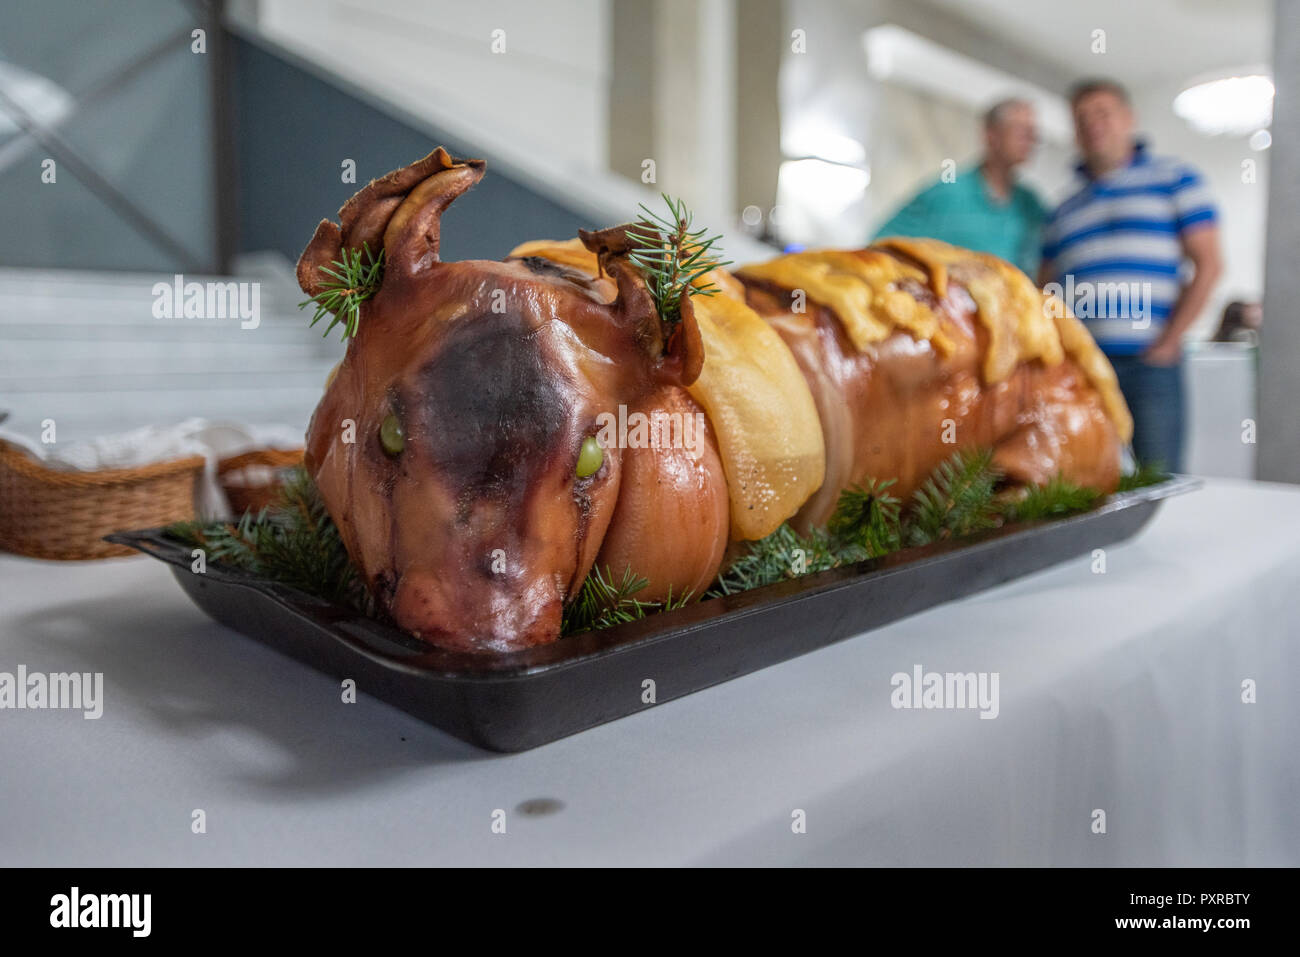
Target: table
1119,691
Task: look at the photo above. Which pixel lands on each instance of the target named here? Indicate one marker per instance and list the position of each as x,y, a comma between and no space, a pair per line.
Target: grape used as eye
391,436
590,457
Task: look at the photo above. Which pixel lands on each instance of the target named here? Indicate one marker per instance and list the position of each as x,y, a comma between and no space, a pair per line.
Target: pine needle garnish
1142,476
673,257
1055,499
293,542
603,602
869,522
351,282
956,500
783,554
868,516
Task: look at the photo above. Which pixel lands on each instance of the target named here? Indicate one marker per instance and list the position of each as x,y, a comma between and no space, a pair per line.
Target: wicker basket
244,497
51,513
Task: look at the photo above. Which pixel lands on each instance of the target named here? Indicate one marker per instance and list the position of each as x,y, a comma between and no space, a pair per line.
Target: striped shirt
1115,247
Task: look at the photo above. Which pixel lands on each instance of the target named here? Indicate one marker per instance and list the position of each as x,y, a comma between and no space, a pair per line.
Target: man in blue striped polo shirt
1135,252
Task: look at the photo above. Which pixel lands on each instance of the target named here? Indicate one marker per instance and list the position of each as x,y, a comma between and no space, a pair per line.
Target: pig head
446,446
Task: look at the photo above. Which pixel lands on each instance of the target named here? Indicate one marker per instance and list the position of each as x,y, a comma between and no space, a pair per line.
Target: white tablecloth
1119,691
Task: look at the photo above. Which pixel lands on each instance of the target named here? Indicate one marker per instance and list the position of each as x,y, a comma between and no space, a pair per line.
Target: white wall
538,111
546,92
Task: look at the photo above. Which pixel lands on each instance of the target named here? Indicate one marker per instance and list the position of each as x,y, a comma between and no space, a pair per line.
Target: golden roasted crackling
914,349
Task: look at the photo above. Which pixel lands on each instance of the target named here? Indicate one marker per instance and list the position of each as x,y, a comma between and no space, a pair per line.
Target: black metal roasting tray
516,701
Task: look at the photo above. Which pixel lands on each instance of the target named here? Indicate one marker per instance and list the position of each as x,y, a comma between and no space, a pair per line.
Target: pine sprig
1141,477
673,257
351,282
293,542
956,500
868,516
783,554
603,602
1055,499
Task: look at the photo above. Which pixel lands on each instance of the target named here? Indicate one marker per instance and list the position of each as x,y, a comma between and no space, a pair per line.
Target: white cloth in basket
156,443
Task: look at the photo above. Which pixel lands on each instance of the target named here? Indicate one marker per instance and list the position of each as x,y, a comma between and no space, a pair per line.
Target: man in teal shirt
984,208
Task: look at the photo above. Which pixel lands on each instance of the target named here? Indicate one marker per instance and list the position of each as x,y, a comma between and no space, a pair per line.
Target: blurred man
1118,249
1240,322
984,208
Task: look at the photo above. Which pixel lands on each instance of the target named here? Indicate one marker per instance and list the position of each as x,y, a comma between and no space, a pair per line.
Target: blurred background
144,138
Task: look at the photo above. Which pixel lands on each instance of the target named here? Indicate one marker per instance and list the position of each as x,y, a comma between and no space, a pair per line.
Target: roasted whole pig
496,429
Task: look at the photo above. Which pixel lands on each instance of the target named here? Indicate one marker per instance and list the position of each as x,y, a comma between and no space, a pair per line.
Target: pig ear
398,212
326,247
676,348
411,235
684,353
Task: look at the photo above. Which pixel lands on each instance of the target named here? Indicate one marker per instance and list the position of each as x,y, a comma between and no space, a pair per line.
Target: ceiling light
1233,105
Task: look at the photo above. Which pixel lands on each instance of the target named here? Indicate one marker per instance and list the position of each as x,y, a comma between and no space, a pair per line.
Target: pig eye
590,457
391,436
